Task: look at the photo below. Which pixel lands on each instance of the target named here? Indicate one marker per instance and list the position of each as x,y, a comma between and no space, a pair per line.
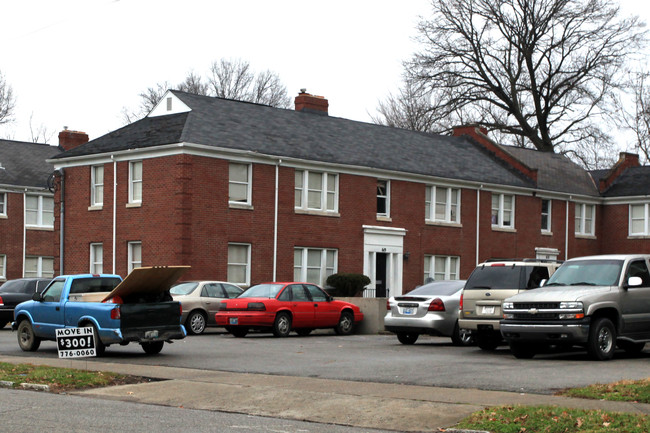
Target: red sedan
285,307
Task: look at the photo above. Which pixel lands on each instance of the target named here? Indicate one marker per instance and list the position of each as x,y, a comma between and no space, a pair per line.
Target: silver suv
486,288
597,302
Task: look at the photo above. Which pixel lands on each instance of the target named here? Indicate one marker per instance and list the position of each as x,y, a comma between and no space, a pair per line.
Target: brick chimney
309,103
625,160
71,139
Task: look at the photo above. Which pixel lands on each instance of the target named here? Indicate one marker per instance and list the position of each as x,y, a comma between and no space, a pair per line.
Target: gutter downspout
566,232
61,223
24,230
114,209
275,220
478,232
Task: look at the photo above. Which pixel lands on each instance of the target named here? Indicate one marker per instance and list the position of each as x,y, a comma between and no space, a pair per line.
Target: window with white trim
546,215
39,211
442,204
97,185
316,191
441,268
96,258
239,183
135,182
383,198
639,219
503,211
314,265
134,255
585,219
3,204
36,266
239,259
3,267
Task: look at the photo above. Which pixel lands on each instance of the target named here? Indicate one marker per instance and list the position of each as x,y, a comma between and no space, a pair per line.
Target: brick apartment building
249,193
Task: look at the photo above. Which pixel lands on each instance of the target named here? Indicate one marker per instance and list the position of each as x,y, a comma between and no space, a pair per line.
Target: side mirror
37,297
634,282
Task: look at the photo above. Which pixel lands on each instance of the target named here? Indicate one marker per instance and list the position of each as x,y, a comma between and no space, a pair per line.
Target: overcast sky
77,63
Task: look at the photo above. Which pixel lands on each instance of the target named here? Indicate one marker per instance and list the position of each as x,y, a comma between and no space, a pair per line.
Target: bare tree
40,134
539,71
638,120
7,101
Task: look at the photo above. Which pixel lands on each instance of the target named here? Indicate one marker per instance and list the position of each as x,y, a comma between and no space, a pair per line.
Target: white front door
383,252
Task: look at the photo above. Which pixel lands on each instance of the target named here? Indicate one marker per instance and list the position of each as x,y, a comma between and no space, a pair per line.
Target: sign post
75,342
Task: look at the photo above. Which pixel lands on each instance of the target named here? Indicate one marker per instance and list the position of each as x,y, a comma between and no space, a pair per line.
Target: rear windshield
262,291
183,288
506,277
440,288
15,286
94,284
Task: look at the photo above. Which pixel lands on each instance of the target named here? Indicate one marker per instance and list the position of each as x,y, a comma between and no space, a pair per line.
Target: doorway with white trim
383,251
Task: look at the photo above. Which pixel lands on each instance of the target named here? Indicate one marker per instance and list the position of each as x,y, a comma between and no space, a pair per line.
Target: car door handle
58,308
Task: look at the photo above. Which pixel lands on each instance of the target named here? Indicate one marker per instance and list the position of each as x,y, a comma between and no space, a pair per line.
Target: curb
32,386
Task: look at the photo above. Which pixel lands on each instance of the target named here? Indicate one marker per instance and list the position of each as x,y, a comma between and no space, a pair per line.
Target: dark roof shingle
24,164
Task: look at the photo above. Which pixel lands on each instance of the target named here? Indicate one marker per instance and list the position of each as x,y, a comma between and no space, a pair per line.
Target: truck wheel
522,350
346,324
282,325
631,348
152,347
461,337
195,323
407,337
237,331
602,339
487,341
27,340
100,348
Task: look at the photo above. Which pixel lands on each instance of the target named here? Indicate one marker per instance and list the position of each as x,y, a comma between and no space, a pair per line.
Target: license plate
233,321
151,334
488,310
409,311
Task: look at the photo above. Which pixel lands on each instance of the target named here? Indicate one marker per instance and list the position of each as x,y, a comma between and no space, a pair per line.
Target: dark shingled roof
634,181
23,164
555,172
290,134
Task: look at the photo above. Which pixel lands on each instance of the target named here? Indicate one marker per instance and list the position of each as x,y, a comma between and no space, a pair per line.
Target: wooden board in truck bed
148,280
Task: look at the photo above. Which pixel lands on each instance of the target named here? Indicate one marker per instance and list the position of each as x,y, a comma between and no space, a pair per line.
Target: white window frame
3,267
246,265
301,268
39,272
96,258
581,219
132,263
450,271
548,214
385,197
645,219
501,211
97,185
3,204
301,198
40,212
431,201
133,181
248,183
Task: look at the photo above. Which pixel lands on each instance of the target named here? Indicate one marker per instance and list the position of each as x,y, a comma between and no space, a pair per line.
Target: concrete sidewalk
359,404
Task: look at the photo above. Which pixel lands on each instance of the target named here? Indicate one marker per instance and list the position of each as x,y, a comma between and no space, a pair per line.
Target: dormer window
169,104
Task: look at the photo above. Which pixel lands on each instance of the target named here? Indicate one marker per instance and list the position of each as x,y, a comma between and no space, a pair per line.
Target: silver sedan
431,309
200,301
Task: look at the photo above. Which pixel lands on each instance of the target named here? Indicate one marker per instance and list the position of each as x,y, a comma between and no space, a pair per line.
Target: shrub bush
348,285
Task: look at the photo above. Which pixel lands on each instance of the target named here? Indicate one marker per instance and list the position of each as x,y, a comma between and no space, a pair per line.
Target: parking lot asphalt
408,408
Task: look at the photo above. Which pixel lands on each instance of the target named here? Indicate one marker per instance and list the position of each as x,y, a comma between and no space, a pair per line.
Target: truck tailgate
160,316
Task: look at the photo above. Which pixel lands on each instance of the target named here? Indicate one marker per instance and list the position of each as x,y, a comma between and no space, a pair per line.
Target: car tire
522,350
282,325
487,341
195,323
100,348
346,324
461,337
407,337
27,340
304,332
237,331
602,339
152,347
631,348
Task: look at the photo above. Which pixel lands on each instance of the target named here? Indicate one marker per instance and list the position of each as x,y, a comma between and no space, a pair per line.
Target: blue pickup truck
137,309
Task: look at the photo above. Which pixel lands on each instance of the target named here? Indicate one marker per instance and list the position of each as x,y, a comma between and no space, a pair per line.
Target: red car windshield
262,291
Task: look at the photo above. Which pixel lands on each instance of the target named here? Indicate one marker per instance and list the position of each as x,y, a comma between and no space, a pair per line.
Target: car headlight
508,305
571,305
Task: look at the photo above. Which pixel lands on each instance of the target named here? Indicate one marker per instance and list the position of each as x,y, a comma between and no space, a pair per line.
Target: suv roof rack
523,260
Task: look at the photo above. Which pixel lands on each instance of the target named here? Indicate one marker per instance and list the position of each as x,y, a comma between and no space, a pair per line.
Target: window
383,198
546,215
314,265
441,268
3,267
3,204
639,221
442,204
316,191
97,185
239,259
39,267
503,211
96,258
584,221
39,211
135,182
135,255
239,187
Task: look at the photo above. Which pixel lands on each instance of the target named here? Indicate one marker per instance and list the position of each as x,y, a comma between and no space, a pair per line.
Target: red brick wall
615,232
